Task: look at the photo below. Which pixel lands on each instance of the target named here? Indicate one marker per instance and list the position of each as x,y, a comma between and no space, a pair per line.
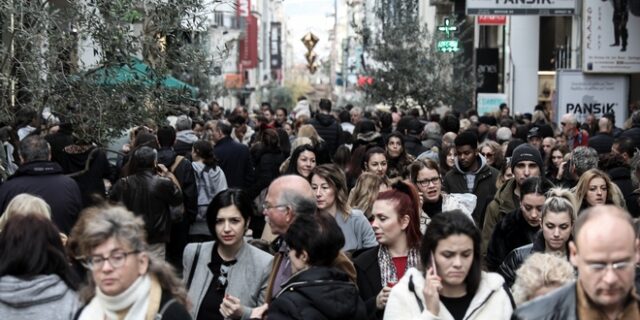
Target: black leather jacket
515,258
149,195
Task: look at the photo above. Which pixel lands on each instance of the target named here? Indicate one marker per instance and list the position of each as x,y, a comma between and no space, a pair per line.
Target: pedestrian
492,151
314,242
452,284
471,174
327,127
302,161
425,175
226,277
233,157
604,252
595,188
556,223
185,136
210,180
447,158
555,160
396,226
398,158
330,186
127,280
36,279
376,161
540,274
519,227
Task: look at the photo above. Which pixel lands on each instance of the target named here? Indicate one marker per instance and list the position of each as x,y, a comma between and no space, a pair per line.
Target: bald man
603,140
605,252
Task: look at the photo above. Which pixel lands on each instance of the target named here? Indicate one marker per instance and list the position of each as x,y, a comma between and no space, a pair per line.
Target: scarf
388,271
136,299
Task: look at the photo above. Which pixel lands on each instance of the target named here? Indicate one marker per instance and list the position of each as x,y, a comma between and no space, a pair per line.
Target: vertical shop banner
490,102
487,70
275,45
610,41
582,94
522,7
248,47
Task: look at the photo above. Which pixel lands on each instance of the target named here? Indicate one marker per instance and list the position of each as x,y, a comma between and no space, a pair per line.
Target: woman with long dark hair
398,158
396,227
450,283
35,274
302,161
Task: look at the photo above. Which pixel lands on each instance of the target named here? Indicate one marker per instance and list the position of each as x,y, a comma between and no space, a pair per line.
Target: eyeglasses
427,182
116,260
616,266
268,207
488,155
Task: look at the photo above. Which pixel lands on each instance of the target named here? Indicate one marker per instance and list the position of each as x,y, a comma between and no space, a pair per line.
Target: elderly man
575,136
287,197
603,140
605,251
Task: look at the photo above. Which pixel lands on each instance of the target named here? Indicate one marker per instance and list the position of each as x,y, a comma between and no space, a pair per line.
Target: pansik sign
522,7
610,42
583,94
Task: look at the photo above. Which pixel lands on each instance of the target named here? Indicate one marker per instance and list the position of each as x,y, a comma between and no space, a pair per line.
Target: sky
310,16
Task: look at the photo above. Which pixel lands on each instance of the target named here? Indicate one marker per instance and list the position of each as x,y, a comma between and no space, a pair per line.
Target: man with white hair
433,135
575,136
503,135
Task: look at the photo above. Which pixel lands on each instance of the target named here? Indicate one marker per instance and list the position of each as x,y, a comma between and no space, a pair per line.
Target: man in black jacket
149,192
604,251
41,177
234,158
327,126
471,174
603,140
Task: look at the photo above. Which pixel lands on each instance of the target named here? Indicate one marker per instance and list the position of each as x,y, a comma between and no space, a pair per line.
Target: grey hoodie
470,177
187,136
42,297
209,182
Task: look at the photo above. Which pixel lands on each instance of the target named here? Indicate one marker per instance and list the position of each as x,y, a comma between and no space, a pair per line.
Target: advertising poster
487,70
490,102
520,7
610,41
582,94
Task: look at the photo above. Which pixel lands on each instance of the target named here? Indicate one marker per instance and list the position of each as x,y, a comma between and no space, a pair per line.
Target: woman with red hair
396,224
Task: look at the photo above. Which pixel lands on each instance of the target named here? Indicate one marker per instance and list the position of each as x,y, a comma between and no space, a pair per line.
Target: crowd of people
323,213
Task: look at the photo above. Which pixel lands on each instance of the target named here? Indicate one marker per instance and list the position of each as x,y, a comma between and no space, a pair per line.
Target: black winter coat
73,159
45,180
512,232
413,145
329,130
369,280
149,196
235,161
267,168
184,175
514,260
319,293
601,142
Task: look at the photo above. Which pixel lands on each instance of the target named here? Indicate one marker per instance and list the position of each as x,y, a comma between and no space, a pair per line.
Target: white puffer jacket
491,301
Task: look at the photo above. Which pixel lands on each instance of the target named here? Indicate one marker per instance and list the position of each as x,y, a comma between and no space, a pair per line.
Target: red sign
492,20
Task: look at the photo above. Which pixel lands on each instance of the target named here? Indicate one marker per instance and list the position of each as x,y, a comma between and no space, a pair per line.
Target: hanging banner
610,43
582,94
522,7
487,70
275,45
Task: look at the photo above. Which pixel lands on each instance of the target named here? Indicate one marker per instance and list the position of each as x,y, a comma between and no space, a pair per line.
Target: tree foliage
406,68
41,67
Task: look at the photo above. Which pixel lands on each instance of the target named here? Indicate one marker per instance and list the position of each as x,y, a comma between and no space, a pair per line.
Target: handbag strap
193,266
164,308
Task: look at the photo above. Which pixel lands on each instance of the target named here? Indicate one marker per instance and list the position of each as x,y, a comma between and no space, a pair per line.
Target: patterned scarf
388,271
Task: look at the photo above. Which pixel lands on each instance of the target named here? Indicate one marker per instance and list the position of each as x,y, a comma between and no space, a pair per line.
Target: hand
258,312
162,169
561,170
421,198
382,297
231,307
432,287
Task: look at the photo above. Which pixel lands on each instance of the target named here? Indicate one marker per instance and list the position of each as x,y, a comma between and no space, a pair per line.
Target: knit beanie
526,152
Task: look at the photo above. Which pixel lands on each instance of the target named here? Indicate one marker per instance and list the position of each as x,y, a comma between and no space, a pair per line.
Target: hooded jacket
42,297
484,186
318,293
491,300
209,181
184,142
500,206
46,180
329,129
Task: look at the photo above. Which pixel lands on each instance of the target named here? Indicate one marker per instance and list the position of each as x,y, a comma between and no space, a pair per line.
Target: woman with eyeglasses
449,283
425,175
519,227
396,227
127,281
226,278
556,220
330,186
35,274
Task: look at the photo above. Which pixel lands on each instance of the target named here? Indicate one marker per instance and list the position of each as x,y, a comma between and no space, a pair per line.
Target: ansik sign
522,7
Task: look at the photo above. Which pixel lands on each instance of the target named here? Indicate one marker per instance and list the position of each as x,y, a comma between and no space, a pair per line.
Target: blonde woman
365,193
540,274
25,204
595,188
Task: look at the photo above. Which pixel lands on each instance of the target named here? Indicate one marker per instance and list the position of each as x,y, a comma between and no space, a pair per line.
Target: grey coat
247,277
41,297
